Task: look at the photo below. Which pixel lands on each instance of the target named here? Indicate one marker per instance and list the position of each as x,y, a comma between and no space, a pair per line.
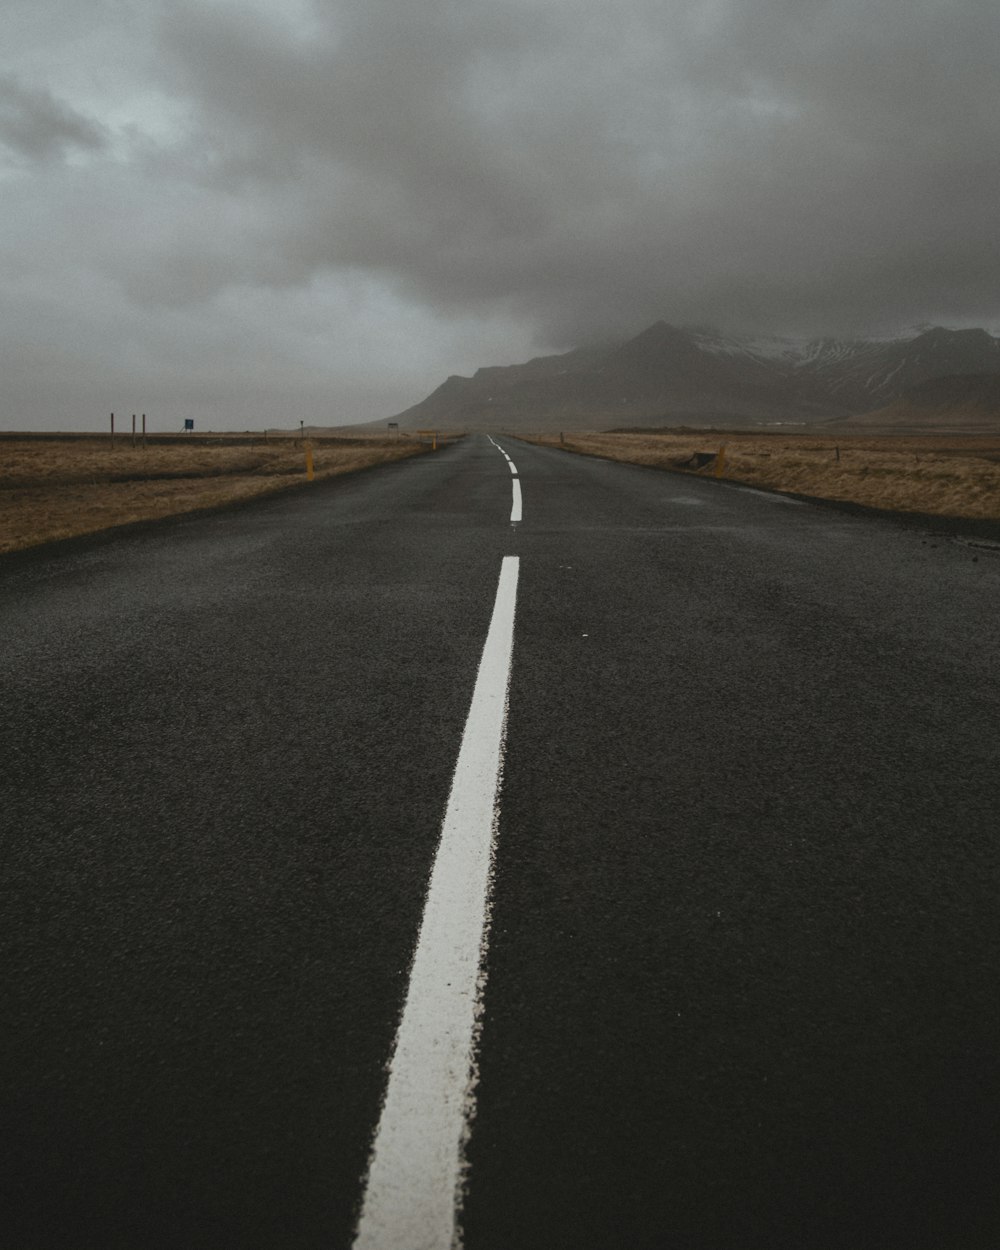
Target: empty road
672,808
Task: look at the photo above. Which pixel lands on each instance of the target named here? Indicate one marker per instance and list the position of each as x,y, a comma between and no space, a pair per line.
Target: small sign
189,423
393,425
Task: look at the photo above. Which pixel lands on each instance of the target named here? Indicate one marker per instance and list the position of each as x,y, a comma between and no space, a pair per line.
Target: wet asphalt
742,973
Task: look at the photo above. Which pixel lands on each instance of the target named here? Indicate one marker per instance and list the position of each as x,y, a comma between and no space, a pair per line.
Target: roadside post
112,429
309,462
720,461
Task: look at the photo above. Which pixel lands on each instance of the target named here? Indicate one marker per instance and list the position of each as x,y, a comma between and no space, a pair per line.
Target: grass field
60,488
942,475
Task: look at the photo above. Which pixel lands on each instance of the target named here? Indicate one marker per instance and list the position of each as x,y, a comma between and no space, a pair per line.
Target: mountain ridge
671,375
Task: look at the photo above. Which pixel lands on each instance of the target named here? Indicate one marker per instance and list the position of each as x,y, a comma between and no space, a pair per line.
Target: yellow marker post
720,461
309,462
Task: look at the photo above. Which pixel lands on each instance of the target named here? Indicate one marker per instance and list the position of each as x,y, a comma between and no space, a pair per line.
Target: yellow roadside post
720,461
309,462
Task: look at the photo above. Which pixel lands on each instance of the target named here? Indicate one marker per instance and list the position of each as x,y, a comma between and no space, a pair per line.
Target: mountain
867,374
671,376
968,402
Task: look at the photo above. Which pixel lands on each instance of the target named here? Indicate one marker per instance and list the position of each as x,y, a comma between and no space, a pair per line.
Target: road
739,968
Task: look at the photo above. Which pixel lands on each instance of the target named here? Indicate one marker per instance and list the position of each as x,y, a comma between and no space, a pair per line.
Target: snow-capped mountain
865,372
669,376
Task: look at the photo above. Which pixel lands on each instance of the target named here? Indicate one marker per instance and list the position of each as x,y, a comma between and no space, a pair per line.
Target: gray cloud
809,165
492,176
34,124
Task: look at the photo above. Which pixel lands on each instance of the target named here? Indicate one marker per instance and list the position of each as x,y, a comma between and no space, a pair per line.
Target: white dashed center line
515,512
414,1184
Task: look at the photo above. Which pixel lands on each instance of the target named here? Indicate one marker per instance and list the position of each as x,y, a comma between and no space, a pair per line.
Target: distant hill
964,401
672,376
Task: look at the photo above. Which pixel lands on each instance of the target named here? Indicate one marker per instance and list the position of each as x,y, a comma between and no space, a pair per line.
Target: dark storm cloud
35,125
795,165
326,206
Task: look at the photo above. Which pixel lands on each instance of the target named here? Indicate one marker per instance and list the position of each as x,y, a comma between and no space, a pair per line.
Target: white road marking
766,494
515,512
414,1186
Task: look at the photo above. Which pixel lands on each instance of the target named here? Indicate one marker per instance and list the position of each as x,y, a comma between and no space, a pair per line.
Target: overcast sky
266,211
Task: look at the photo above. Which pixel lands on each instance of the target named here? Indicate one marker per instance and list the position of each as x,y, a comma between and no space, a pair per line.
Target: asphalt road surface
740,988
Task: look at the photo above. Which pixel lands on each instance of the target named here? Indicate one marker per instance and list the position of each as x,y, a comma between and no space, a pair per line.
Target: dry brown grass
948,476
53,489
